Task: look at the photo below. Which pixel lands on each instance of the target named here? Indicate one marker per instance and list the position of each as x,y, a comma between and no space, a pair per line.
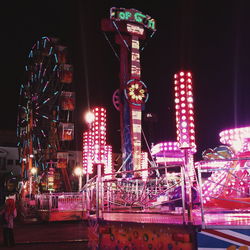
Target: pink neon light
108,168
99,134
238,138
169,149
184,110
87,152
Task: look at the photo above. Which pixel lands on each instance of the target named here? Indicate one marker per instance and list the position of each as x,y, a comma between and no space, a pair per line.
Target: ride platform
57,215
145,229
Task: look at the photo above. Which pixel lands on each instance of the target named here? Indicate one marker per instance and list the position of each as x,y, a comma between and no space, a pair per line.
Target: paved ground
53,235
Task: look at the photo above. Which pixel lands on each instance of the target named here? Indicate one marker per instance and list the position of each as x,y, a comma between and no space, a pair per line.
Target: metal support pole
183,194
166,170
108,195
199,185
88,199
50,201
136,189
102,195
80,183
30,185
156,183
87,194
166,176
188,186
97,198
99,192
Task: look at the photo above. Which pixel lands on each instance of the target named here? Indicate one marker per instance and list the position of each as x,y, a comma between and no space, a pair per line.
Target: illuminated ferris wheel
45,127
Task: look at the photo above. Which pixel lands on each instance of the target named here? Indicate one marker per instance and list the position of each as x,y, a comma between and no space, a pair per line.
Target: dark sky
210,38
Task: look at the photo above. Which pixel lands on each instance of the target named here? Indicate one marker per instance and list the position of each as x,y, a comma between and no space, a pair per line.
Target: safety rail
121,192
60,201
113,192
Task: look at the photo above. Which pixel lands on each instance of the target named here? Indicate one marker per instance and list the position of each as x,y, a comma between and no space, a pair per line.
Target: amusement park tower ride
130,26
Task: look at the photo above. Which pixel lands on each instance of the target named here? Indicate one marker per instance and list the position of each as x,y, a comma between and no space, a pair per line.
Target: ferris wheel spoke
46,85
55,67
56,58
45,41
39,143
31,54
43,133
50,50
47,118
21,89
40,70
47,100
44,71
44,89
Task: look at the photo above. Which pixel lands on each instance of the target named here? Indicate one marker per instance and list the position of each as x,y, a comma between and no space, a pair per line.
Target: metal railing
111,192
117,192
60,201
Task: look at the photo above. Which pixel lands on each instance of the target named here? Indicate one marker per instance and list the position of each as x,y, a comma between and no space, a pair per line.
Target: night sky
210,38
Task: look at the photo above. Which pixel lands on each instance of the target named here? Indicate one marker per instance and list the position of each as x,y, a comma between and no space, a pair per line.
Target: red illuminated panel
62,159
66,131
61,53
184,110
67,100
66,74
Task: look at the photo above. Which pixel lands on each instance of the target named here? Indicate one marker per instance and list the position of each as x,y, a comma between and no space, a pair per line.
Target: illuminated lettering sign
135,29
132,15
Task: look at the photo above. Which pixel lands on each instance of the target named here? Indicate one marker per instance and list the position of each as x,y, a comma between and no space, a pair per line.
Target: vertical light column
185,119
99,135
99,143
87,152
108,168
184,110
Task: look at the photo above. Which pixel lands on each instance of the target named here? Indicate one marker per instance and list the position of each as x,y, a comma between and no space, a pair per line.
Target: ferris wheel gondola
45,127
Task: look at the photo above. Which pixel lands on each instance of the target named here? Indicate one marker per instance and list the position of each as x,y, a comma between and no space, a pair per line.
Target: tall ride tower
130,26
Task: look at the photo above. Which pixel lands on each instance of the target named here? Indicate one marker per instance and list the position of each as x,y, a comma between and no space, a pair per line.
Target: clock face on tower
136,92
